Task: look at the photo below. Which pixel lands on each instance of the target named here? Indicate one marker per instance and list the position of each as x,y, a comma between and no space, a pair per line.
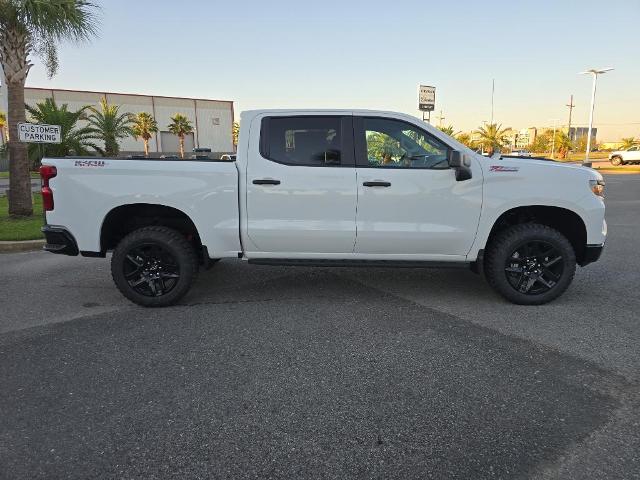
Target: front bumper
591,254
59,240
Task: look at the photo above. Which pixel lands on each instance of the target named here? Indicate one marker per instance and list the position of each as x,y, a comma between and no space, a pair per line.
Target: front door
409,202
301,186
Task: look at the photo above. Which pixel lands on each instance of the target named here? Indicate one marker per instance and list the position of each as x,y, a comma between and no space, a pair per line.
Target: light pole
593,72
553,138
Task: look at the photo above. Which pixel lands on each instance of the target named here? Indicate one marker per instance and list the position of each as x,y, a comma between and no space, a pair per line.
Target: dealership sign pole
426,100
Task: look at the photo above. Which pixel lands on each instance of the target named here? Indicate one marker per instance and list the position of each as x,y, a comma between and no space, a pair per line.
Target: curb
616,171
24,246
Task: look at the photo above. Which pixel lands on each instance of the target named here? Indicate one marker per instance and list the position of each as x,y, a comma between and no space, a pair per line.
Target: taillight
47,172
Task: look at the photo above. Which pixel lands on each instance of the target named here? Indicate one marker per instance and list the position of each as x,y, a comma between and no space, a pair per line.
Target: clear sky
372,54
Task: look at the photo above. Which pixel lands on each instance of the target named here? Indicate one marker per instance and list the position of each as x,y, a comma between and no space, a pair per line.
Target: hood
522,166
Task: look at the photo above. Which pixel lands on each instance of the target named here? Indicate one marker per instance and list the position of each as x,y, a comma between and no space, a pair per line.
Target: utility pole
570,105
553,139
440,119
493,91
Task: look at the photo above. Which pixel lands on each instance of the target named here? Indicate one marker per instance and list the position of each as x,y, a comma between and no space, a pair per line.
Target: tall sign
426,100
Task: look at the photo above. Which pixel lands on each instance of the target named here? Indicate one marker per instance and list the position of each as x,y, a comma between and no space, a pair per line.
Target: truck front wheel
154,266
530,264
616,161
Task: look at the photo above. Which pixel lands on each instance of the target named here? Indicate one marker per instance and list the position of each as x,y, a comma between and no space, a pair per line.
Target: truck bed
86,189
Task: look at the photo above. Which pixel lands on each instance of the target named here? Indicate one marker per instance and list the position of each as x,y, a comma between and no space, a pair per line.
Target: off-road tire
171,241
503,245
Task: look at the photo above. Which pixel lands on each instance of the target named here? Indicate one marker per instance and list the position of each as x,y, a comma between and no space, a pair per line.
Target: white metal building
212,120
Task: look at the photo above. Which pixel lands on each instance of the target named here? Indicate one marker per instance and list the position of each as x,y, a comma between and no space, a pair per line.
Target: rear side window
306,141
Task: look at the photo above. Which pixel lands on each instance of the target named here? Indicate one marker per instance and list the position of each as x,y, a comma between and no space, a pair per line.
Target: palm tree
235,132
144,125
563,143
74,141
628,142
447,130
180,126
492,137
3,125
28,27
110,125
465,139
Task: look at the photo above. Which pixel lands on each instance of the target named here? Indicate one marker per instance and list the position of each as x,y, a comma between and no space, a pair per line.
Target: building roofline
127,94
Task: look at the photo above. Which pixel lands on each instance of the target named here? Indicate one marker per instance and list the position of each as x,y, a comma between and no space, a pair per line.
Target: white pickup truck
329,188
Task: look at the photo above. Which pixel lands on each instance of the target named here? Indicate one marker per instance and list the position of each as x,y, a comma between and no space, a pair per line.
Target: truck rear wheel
530,264
154,266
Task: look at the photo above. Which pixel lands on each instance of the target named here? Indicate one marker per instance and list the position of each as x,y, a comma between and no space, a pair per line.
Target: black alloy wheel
151,270
535,267
530,263
154,266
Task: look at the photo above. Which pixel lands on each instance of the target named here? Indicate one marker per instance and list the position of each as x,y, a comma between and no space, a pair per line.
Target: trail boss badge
502,168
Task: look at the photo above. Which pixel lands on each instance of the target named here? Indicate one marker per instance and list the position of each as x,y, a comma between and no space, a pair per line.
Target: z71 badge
502,168
89,163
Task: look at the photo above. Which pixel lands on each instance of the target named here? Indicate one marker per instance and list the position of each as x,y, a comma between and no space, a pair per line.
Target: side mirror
461,164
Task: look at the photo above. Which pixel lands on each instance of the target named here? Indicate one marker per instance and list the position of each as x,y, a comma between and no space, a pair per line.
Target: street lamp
553,138
594,72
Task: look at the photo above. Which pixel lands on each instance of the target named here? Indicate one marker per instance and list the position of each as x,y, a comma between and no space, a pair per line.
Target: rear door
409,202
301,186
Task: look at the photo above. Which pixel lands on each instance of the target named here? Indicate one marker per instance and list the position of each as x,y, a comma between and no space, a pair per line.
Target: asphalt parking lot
278,372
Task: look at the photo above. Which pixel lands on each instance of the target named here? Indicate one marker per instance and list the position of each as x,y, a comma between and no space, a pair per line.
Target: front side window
306,141
397,144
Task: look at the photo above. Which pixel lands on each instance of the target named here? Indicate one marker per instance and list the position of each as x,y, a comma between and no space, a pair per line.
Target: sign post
39,133
426,100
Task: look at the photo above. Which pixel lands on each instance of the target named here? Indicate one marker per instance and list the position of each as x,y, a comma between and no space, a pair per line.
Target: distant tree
3,125
465,139
75,140
110,125
144,126
628,142
581,143
180,126
563,144
492,137
542,143
235,132
447,130
28,27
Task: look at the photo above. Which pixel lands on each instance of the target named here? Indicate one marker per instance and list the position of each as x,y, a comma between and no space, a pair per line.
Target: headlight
597,187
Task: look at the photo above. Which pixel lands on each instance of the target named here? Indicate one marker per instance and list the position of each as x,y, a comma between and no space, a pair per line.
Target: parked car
622,157
329,188
228,157
520,153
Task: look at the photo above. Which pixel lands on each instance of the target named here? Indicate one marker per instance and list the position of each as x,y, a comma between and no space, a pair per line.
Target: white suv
621,157
520,153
